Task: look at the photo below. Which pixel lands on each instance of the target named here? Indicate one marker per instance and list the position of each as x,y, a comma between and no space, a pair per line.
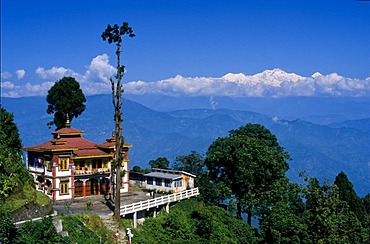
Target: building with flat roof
168,180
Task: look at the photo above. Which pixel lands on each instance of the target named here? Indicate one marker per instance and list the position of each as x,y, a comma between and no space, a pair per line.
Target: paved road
97,204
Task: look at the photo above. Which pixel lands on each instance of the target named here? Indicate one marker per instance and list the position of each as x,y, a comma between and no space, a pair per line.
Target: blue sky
190,38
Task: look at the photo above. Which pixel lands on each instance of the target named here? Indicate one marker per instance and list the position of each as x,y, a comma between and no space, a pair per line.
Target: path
103,207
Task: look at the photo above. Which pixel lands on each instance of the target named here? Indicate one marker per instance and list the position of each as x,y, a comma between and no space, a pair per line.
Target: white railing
158,201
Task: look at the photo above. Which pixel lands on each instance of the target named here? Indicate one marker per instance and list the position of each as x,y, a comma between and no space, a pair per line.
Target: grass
86,228
20,198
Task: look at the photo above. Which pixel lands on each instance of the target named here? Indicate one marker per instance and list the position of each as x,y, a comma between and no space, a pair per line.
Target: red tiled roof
62,143
74,142
90,152
66,131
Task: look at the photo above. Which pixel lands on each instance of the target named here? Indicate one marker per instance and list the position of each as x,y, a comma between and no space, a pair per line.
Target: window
48,165
63,163
149,181
158,182
167,183
178,183
105,163
63,188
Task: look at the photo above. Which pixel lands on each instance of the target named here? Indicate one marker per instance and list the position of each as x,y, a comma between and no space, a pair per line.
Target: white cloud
20,74
95,80
7,85
269,83
55,73
5,75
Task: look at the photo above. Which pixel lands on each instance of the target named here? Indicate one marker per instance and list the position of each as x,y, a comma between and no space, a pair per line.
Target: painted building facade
168,180
69,166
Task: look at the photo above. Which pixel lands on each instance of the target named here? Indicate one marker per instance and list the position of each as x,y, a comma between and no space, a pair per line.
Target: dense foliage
81,228
160,163
13,173
9,135
192,222
192,163
65,100
251,165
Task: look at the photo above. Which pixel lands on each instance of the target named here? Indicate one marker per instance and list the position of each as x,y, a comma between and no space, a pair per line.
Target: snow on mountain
269,83
316,75
268,77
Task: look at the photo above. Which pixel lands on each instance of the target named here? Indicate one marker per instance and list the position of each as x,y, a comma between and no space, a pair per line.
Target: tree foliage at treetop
65,100
192,163
252,165
160,163
9,134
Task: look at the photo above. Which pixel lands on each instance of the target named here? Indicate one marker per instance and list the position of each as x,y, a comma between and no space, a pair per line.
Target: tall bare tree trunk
114,35
117,103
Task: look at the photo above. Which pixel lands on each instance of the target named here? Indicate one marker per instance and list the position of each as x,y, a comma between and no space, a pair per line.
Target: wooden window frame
63,162
64,188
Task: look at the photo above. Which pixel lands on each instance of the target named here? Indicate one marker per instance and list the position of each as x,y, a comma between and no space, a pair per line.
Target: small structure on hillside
168,180
69,166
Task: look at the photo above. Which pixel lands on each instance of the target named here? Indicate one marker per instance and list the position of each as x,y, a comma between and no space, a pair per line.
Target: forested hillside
320,149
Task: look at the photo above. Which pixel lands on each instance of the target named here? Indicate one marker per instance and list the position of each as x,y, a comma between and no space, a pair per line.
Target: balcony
97,171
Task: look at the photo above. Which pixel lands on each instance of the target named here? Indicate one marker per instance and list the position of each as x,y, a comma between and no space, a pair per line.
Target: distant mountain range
323,135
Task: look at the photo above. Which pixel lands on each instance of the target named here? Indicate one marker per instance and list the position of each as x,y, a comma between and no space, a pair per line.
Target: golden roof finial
68,123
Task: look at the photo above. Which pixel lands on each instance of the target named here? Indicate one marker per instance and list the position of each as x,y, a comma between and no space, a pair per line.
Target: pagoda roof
59,144
68,131
70,139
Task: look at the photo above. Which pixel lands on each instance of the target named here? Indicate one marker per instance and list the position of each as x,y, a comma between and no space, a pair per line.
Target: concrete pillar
155,213
84,188
168,208
135,219
99,186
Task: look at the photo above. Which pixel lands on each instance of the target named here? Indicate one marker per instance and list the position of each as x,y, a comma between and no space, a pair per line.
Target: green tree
66,101
13,173
191,221
192,163
160,163
328,218
9,134
252,165
284,226
8,231
114,35
39,232
348,195
136,169
366,203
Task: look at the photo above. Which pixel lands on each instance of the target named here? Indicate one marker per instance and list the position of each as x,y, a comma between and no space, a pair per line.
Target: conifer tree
348,195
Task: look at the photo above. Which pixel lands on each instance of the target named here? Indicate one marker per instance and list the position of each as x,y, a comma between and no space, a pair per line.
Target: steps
111,223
